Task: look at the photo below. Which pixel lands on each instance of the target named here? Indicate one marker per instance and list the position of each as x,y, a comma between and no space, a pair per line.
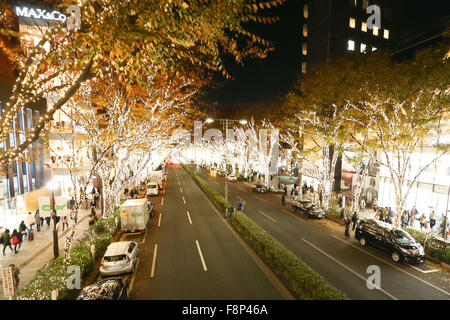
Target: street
343,263
190,252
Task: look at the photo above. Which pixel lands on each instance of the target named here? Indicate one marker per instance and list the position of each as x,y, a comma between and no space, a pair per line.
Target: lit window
365,4
305,30
364,26
374,48
363,47
375,30
305,11
303,67
351,45
386,34
352,23
305,49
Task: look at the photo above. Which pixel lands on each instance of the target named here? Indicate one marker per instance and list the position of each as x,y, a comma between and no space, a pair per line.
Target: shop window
303,67
375,30
364,26
305,11
305,30
363,47
305,49
386,34
352,23
351,45
365,4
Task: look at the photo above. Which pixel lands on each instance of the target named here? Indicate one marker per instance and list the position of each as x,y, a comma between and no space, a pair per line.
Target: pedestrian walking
65,222
240,206
37,220
47,220
96,200
29,220
6,241
93,212
347,227
72,203
343,214
432,219
423,221
362,204
230,211
283,200
382,212
355,219
22,231
375,205
16,240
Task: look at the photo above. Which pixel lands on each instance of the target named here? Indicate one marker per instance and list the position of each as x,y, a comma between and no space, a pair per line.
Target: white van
134,215
152,189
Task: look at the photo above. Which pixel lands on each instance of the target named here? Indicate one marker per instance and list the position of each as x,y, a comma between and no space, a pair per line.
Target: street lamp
52,185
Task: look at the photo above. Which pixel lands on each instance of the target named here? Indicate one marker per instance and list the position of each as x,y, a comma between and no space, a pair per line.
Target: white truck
134,215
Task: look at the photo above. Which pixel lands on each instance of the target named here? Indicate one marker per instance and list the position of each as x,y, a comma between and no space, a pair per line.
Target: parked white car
152,189
231,177
120,257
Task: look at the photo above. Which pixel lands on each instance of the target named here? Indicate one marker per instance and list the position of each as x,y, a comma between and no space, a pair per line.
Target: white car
120,257
152,189
231,177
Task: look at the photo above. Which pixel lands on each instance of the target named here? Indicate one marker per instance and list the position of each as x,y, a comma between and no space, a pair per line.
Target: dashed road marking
267,216
159,220
152,274
162,201
201,256
184,200
190,221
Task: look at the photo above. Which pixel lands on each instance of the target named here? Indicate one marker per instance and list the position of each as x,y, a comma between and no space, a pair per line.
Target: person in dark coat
22,231
283,200
347,228
6,240
355,220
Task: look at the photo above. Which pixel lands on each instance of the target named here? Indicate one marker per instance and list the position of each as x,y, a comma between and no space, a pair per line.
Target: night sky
262,80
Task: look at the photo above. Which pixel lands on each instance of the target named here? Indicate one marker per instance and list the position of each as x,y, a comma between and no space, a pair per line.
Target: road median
305,283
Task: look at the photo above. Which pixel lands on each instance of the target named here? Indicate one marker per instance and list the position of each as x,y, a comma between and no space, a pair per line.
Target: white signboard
40,14
44,207
8,282
61,206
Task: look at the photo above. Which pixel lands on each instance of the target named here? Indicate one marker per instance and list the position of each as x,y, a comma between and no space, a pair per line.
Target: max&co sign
73,20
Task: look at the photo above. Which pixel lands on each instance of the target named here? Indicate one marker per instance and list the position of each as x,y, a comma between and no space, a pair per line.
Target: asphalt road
343,263
190,252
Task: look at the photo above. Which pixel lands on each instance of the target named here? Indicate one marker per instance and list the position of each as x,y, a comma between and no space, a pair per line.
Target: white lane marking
184,200
242,189
398,268
181,190
262,199
162,201
267,216
179,183
348,268
152,274
240,198
423,271
201,255
190,221
159,220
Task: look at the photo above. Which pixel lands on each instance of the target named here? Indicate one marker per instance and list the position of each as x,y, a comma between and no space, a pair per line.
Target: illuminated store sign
40,14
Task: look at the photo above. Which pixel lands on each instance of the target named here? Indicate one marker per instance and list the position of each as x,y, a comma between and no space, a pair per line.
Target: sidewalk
33,255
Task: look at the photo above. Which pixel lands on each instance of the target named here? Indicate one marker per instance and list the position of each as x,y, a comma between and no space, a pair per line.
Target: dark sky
260,80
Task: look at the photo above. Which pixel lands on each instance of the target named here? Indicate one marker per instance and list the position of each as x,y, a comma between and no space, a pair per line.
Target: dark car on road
259,188
396,242
115,288
308,208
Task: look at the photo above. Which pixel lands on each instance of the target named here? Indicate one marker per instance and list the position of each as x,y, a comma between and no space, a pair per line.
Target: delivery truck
134,215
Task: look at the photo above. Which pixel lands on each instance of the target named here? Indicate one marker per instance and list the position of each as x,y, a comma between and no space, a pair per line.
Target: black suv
396,242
